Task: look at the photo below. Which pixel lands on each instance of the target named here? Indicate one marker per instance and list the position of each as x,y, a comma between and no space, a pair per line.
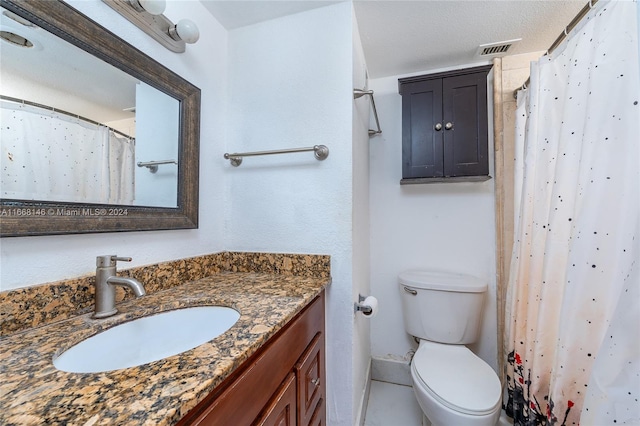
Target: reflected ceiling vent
18,19
15,39
494,50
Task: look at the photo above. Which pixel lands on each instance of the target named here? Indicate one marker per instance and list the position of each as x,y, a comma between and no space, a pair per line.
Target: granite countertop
34,392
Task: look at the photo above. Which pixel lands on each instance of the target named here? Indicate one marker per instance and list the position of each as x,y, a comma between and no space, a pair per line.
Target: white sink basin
147,339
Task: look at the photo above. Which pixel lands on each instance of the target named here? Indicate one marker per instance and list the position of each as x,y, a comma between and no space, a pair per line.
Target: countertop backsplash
30,307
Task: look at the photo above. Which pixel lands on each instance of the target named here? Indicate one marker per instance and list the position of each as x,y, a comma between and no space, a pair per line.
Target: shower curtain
573,314
52,156
121,165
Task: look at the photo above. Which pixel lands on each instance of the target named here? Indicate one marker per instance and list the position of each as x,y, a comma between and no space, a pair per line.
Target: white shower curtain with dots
47,155
573,313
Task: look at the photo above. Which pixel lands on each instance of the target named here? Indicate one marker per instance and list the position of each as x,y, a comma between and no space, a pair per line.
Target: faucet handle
110,260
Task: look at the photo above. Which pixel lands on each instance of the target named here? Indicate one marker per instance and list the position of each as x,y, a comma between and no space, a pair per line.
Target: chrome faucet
106,282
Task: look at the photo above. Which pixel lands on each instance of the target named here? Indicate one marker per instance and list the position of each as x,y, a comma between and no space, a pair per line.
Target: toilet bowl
443,311
454,387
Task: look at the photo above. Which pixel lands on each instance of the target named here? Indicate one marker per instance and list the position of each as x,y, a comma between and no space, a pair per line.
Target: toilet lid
442,280
457,378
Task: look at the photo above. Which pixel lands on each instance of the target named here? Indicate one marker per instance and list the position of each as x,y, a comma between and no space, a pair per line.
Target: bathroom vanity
282,383
267,368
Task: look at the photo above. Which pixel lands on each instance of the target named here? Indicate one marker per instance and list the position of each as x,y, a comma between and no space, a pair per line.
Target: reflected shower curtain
573,325
121,163
47,155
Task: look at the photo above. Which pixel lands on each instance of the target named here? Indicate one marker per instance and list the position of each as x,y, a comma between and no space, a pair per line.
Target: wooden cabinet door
319,417
445,125
310,376
465,112
281,410
422,152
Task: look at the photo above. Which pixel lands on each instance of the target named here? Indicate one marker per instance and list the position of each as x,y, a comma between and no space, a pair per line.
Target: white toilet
454,387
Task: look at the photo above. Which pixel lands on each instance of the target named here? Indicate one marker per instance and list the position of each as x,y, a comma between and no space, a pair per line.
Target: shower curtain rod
50,108
563,35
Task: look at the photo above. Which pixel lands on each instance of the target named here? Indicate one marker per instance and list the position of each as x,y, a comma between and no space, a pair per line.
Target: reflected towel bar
357,93
321,152
153,165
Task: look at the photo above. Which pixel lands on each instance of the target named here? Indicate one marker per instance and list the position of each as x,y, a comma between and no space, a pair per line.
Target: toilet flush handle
410,291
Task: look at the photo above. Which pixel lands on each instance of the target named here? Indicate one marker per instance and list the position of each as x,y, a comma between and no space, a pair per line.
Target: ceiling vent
15,39
494,50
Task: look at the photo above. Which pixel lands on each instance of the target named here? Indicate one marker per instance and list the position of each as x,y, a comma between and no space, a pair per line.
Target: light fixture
147,15
154,7
185,30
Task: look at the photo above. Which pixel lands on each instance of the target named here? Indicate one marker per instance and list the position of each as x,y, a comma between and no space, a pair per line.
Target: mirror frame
29,218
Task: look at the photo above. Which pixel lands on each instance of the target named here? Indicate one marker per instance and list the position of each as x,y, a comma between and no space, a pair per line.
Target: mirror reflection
80,130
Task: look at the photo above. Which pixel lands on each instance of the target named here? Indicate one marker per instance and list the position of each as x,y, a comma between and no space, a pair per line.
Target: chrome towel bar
357,93
153,165
321,152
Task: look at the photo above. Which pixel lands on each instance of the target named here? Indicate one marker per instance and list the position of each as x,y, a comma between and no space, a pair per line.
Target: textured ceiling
401,37
406,36
239,13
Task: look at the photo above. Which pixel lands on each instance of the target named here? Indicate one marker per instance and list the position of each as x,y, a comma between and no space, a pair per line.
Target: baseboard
364,402
397,371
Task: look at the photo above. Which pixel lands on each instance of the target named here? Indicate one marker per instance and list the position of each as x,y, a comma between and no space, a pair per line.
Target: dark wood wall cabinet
283,383
445,126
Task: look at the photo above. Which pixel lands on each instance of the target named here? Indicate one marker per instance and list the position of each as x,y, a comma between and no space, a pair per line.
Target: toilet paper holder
365,309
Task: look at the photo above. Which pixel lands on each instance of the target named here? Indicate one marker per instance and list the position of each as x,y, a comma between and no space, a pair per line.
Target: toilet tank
444,307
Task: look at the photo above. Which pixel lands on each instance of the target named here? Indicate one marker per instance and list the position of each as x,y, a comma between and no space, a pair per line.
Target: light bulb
154,7
187,30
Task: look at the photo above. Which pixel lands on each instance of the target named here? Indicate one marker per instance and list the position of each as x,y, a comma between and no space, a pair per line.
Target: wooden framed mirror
37,214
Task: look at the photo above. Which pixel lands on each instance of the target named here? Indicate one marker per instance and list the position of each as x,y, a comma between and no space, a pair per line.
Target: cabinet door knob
438,127
316,381
448,126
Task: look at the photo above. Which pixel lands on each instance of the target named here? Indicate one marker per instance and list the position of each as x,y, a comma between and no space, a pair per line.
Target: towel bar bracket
235,161
358,93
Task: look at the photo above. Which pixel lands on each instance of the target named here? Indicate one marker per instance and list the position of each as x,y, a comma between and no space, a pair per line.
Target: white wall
441,226
278,84
361,278
290,86
35,260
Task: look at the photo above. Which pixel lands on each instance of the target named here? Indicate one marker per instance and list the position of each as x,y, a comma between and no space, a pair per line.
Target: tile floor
392,405
395,405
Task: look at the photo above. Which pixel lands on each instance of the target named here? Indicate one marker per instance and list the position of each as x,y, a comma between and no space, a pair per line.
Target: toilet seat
457,378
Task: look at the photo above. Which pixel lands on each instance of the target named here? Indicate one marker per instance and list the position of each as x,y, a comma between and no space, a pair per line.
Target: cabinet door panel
310,376
465,144
319,417
281,410
421,143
